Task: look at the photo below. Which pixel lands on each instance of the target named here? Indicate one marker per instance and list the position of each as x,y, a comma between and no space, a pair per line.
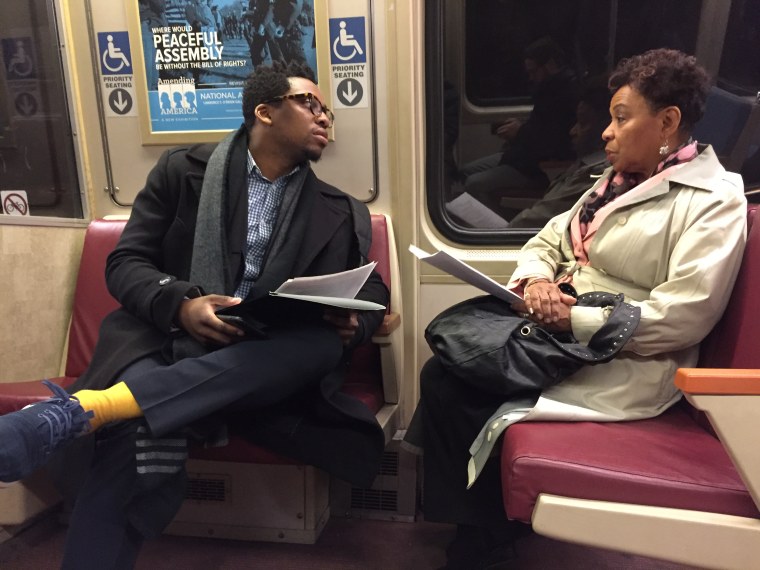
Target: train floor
345,544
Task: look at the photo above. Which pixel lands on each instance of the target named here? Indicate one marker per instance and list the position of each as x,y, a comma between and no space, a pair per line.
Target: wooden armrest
718,381
390,323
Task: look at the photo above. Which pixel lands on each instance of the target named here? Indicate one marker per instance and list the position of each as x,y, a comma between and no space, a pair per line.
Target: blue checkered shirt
264,200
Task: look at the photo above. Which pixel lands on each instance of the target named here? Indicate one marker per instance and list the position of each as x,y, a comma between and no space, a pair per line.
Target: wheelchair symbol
115,55
346,40
21,63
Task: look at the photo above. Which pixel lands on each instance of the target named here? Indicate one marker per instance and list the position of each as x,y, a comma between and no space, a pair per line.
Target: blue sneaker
30,435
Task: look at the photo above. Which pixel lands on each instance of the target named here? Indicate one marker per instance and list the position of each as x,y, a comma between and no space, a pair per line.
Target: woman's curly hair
666,77
268,82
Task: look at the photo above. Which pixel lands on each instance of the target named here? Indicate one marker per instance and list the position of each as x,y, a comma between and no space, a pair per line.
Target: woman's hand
547,305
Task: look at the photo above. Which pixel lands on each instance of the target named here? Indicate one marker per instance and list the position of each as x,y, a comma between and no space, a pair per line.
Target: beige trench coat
674,250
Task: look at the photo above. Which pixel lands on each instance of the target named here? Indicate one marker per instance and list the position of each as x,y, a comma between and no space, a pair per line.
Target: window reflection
36,148
523,96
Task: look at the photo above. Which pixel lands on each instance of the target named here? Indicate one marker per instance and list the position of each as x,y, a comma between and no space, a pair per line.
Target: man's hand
197,317
508,129
346,322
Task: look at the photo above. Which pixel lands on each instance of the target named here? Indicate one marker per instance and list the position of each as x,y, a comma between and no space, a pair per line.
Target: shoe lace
66,419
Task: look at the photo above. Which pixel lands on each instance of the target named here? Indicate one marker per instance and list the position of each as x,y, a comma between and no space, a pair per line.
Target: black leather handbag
483,342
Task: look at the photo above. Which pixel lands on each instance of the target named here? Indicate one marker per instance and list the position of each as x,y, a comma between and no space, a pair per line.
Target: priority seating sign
348,58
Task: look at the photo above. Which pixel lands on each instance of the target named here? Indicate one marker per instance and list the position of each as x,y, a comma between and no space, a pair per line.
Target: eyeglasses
315,105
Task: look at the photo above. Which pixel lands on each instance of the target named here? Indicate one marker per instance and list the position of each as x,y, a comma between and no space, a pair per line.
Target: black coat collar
329,209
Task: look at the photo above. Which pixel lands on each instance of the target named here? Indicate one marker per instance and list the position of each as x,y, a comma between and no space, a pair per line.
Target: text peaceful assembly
187,46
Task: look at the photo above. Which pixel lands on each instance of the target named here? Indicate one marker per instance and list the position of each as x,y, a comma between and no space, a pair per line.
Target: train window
739,73
517,100
38,168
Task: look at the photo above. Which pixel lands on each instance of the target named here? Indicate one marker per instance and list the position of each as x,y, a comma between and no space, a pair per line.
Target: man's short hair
268,82
544,50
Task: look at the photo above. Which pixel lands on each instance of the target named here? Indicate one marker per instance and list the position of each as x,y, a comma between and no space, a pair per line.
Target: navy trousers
249,375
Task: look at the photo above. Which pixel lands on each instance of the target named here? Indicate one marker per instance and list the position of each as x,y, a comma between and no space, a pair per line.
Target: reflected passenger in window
592,116
543,136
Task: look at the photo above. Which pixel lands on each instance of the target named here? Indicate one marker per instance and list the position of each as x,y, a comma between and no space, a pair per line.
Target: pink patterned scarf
618,183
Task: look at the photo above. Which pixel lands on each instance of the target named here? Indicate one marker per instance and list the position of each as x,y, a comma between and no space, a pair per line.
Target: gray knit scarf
207,268
210,244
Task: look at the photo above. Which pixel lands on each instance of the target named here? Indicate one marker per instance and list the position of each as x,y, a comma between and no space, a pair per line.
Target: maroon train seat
673,460
92,303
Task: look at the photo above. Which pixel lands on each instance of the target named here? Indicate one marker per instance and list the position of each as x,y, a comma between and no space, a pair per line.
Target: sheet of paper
475,213
344,303
345,284
461,270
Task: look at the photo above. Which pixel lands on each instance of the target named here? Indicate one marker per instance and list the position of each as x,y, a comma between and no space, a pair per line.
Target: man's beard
313,155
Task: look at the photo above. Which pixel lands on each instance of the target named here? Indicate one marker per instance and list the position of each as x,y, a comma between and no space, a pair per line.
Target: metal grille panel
206,489
389,463
372,499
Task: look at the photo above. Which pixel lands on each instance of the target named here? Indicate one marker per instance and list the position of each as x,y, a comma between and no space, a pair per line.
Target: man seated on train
592,116
215,228
543,136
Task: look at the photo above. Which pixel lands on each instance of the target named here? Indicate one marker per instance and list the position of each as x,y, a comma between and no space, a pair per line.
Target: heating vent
392,495
205,489
372,499
389,465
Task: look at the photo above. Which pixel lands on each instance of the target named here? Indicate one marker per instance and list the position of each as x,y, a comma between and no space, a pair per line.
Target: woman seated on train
666,227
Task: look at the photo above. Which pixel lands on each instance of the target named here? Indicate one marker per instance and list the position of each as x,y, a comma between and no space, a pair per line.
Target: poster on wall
191,59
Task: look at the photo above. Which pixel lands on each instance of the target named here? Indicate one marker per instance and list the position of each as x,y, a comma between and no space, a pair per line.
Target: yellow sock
110,405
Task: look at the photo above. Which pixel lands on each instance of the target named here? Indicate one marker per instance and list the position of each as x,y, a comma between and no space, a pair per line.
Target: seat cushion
667,461
16,395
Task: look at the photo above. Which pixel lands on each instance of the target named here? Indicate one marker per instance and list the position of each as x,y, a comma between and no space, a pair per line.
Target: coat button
165,280
622,220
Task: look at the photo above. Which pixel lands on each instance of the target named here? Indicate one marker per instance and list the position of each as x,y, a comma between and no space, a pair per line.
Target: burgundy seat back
379,251
733,343
92,301
364,379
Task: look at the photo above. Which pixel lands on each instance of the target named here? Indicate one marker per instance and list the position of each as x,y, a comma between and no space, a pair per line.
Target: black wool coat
148,273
